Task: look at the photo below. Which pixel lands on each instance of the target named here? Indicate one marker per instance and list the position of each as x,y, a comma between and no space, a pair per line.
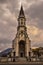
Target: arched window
21,21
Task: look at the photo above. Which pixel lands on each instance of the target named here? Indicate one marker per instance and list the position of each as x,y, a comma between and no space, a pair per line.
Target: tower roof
21,11
21,14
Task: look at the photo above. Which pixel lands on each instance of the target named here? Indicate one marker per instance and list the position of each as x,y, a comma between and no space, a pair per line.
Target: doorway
22,55
22,48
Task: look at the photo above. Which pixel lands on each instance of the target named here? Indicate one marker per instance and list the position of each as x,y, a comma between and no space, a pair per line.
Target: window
21,21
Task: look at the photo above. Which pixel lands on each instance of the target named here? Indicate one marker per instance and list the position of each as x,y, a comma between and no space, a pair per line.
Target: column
17,48
27,47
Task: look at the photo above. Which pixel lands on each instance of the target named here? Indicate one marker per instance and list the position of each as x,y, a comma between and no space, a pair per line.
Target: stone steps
21,63
21,59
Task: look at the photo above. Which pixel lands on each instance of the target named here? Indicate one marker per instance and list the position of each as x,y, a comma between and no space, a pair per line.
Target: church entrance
22,48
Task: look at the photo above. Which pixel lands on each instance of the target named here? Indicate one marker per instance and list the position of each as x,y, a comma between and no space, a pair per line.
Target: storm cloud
9,11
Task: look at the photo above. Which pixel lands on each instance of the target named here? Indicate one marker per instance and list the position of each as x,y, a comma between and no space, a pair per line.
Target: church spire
21,11
21,14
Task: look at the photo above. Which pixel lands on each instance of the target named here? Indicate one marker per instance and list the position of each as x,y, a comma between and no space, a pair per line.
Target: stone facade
21,45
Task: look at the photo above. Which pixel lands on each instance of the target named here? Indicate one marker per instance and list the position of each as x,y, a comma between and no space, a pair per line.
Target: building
21,44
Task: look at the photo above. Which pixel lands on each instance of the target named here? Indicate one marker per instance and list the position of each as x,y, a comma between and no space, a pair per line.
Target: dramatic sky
9,11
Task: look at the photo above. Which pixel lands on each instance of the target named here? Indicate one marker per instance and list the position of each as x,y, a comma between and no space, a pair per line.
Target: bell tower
21,18
21,21
21,43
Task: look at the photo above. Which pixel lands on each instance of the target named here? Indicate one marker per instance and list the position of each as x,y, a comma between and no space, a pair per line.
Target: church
21,44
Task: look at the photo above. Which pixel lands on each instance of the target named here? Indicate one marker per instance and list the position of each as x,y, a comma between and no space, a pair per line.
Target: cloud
3,1
35,13
9,11
8,22
36,35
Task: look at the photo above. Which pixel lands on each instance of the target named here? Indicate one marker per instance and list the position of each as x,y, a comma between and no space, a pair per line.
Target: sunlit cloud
33,30
35,34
